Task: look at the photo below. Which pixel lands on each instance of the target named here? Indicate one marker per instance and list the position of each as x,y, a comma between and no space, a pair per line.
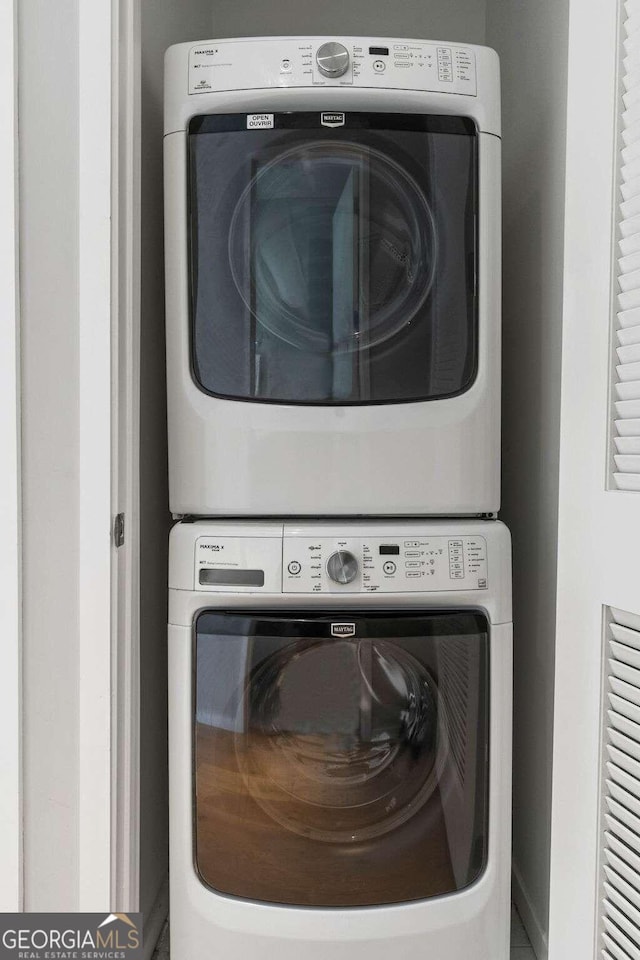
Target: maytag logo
332,119
343,629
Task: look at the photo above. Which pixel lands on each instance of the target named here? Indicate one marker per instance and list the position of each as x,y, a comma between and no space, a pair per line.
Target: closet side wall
163,22
424,19
532,41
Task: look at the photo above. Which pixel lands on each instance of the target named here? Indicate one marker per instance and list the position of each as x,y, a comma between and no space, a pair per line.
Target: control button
445,69
332,59
294,568
285,65
379,66
342,566
413,563
456,560
412,543
413,573
412,553
389,567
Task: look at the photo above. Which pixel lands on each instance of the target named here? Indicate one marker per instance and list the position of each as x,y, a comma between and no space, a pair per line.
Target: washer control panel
384,565
218,65
240,558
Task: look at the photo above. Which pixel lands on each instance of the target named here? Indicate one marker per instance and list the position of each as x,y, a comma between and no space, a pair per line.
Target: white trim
10,674
126,446
94,125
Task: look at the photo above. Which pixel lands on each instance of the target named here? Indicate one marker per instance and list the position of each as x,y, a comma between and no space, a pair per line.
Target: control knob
332,59
342,566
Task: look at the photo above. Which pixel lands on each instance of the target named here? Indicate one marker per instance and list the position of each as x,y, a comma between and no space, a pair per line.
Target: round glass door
333,265
340,772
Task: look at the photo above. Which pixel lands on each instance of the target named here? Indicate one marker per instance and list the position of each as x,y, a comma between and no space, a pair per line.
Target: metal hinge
118,530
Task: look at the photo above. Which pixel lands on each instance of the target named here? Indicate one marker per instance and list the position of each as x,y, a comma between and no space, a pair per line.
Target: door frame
125,292
95,780
11,884
109,599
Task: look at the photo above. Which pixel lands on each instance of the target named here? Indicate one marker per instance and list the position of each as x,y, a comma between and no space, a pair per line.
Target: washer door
333,265
340,771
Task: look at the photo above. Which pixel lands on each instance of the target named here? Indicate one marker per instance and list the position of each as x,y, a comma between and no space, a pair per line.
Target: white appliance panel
203,920
287,62
244,456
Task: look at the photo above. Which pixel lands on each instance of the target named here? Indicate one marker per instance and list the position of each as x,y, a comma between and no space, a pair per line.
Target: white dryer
333,277
340,740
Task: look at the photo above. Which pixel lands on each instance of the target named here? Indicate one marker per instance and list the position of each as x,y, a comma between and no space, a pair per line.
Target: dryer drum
343,218
349,766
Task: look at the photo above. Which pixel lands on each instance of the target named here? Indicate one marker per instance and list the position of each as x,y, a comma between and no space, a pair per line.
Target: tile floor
520,947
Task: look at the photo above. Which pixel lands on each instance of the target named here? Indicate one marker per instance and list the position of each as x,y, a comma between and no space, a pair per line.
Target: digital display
232,578
379,51
389,550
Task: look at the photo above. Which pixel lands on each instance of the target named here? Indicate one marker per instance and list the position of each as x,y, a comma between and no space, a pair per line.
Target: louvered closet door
627,333
621,812
595,847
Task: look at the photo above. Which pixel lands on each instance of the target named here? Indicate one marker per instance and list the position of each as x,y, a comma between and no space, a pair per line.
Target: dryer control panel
300,563
248,64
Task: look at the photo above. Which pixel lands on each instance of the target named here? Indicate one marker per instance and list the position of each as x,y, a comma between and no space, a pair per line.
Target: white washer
340,740
333,277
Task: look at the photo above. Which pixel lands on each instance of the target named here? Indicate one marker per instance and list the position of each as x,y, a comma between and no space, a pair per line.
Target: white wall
427,19
49,211
531,39
10,626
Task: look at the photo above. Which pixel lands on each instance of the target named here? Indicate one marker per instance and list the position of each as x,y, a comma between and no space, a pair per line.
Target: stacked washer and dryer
340,587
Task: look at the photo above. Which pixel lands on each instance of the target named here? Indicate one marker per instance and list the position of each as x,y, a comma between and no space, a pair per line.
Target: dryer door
340,760
333,256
